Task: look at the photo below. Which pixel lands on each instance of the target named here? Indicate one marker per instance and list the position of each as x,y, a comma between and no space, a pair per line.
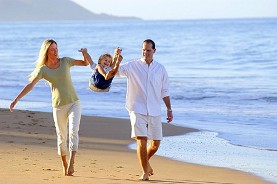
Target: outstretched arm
117,57
24,91
112,72
87,59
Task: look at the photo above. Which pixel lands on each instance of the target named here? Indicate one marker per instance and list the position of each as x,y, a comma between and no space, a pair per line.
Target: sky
183,9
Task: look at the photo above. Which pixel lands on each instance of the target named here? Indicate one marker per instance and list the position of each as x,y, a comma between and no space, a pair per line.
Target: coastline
29,154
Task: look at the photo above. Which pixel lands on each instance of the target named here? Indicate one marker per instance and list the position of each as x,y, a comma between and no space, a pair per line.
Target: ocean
222,79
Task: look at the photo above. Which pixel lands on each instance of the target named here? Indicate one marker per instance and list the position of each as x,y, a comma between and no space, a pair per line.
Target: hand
12,105
83,50
169,116
117,51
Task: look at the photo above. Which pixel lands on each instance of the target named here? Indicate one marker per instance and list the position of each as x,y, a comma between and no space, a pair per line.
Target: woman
65,101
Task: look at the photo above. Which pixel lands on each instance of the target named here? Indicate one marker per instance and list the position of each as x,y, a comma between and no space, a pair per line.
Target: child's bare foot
144,177
70,170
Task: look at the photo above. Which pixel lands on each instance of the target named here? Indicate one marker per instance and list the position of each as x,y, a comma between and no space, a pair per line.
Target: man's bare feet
150,170
144,177
70,170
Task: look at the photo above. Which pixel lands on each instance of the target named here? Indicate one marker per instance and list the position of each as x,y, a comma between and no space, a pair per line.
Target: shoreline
29,154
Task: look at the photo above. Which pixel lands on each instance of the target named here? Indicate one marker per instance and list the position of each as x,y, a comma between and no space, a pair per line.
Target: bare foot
65,169
144,177
150,170
70,170
64,164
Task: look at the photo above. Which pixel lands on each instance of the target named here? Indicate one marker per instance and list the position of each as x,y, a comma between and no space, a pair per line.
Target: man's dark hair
150,41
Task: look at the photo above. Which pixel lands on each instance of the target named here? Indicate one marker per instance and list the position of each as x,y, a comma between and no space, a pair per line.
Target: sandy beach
29,154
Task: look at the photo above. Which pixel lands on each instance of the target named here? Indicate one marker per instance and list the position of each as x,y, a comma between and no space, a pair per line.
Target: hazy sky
183,9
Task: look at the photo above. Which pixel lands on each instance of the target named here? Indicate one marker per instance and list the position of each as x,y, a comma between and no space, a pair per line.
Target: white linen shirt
146,86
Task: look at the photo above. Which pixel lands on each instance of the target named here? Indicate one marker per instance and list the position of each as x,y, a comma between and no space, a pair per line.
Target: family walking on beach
148,84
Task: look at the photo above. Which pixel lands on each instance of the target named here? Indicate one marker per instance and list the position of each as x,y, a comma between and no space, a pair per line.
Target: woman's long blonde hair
42,57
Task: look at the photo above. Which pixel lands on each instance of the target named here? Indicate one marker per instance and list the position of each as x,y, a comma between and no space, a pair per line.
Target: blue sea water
222,74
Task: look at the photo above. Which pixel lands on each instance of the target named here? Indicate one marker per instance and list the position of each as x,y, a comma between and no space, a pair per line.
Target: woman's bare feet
70,169
64,164
144,177
65,169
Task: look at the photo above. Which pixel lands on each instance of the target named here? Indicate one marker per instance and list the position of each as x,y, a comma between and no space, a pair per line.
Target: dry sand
29,155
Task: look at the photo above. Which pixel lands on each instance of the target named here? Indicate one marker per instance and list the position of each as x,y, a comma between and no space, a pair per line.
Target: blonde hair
42,57
105,55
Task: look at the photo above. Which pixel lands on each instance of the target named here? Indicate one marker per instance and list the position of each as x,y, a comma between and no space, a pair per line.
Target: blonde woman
65,101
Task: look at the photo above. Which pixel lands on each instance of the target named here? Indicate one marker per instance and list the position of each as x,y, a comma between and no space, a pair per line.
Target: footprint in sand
50,170
21,123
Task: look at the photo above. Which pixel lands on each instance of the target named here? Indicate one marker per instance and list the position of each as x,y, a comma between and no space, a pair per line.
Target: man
147,84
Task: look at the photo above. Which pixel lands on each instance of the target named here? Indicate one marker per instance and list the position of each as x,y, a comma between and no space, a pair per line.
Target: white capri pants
67,116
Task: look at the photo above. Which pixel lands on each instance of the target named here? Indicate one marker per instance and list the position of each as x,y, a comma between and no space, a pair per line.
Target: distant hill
40,10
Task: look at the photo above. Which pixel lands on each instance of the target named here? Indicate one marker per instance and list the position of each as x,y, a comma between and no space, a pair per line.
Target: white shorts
146,126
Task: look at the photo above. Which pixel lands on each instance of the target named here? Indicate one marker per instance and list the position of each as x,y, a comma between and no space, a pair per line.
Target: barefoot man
148,85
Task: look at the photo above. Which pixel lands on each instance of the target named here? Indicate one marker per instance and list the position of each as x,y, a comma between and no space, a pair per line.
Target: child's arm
112,72
117,58
108,75
117,53
102,72
87,57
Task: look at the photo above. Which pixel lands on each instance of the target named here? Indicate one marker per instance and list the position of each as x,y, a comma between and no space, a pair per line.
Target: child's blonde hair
105,55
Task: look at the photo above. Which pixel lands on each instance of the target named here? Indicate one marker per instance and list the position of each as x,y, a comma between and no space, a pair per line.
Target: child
104,71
